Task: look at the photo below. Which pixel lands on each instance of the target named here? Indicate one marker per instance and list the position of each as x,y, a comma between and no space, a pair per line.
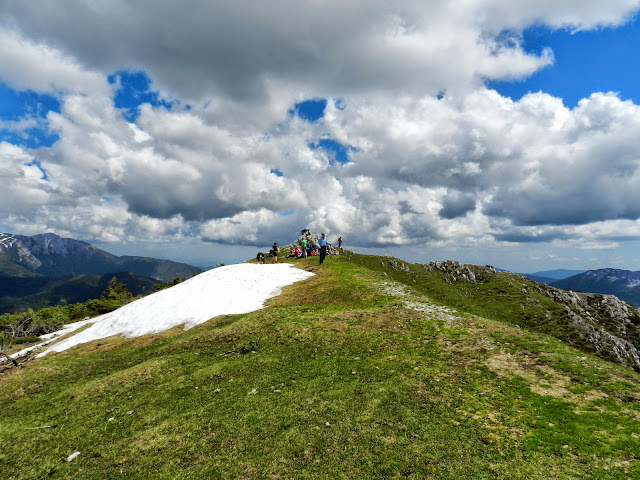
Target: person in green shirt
304,247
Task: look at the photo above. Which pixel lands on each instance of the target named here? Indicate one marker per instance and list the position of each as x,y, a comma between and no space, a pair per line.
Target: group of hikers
307,249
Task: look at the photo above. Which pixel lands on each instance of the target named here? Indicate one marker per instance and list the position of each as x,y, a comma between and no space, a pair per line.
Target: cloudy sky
488,131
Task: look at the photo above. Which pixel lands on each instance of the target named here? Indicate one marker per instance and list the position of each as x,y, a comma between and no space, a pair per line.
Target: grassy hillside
362,371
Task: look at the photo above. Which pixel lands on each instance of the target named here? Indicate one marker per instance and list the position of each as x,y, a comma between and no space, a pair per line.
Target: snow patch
232,289
6,241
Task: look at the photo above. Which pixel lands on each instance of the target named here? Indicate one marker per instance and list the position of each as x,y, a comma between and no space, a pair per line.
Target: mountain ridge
558,273
51,255
549,276
624,284
46,270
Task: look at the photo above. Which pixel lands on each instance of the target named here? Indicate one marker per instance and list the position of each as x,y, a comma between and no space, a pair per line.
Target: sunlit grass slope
359,372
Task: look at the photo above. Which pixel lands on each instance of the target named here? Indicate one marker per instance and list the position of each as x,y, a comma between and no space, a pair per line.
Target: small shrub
249,347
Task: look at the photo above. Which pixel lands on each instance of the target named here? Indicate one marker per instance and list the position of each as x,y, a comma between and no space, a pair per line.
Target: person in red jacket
339,242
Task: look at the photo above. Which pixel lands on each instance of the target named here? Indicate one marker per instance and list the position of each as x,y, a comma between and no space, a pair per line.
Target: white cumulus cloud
432,154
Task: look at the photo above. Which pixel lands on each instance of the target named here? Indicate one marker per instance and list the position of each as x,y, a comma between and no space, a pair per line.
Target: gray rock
454,270
605,322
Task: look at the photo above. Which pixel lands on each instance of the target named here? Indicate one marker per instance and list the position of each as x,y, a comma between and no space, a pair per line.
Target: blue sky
17,105
601,60
206,133
312,111
133,89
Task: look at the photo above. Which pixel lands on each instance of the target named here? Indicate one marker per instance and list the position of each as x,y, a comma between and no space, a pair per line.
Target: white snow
232,289
6,240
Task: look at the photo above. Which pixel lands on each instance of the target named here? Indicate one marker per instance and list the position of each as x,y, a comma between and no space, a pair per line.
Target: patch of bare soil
478,346
388,319
542,379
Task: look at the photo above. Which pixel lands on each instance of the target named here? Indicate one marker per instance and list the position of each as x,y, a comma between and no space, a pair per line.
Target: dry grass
306,292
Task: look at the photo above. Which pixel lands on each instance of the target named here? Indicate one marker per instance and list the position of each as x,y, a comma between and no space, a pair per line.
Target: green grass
501,296
336,379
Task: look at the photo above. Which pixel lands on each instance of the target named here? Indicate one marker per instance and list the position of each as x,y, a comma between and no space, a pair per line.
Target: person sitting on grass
294,253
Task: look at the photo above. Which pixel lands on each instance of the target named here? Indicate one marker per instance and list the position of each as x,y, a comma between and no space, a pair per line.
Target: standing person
274,252
303,242
323,244
339,242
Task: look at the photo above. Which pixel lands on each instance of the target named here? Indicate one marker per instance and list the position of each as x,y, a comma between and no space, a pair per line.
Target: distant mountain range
624,284
550,276
43,270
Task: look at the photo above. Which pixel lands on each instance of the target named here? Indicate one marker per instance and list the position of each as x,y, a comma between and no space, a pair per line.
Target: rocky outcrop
605,323
456,272
397,266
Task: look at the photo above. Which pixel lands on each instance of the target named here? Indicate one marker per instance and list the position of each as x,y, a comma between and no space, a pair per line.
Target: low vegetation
18,294
20,329
362,371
